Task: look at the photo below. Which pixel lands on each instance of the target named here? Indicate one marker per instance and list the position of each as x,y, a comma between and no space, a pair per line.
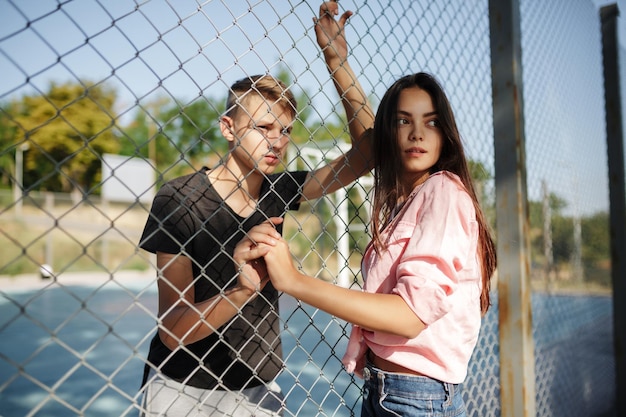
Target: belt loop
381,384
449,390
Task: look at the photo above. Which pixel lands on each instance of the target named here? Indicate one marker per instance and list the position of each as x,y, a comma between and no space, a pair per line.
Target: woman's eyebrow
407,113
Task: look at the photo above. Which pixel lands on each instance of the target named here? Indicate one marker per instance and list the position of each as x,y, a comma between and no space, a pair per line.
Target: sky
147,48
185,49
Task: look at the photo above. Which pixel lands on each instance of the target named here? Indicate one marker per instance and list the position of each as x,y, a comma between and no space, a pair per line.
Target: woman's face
419,136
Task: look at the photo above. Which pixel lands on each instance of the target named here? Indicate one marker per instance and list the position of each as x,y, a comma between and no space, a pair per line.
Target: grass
71,238
92,237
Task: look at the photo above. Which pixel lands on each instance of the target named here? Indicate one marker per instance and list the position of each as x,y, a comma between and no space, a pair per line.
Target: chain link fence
102,102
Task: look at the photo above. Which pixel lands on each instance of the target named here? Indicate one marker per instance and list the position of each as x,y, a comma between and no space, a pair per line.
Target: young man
217,350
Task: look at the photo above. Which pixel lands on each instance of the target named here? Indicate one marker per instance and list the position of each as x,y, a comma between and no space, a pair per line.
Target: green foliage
596,251
138,138
177,138
180,138
562,229
304,127
192,131
67,130
481,177
479,172
595,235
562,238
7,146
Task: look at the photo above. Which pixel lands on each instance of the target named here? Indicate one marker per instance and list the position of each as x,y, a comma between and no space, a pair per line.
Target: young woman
426,272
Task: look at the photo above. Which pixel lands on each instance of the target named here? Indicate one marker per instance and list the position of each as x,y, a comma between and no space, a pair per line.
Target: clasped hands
262,255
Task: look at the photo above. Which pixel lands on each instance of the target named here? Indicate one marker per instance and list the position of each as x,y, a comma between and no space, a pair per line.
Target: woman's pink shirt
431,262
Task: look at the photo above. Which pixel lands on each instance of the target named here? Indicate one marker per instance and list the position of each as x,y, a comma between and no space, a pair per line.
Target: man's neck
240,192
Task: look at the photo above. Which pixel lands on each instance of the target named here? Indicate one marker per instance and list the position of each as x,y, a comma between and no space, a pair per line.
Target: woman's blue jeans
392,394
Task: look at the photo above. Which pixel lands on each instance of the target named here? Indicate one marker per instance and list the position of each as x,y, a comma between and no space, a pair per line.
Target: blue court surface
79,348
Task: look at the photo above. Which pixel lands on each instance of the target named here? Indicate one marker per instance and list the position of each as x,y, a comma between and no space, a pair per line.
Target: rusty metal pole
617,187
517,359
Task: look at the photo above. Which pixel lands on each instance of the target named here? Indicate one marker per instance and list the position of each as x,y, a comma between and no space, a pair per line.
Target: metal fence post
617,205
517,362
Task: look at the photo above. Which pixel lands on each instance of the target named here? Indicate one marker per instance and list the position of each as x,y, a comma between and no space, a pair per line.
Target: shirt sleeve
287,187
167,228
440,247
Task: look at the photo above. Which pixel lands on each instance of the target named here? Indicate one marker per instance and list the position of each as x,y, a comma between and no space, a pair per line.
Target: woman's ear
227,128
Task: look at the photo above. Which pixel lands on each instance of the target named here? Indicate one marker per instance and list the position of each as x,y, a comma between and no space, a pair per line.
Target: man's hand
249,252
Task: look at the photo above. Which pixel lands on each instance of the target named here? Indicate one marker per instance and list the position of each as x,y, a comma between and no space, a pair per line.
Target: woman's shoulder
444,191
446,180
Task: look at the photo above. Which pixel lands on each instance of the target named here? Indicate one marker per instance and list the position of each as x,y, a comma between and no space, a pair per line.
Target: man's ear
227,128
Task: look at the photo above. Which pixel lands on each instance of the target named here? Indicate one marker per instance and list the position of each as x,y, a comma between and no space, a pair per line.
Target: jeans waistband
405,384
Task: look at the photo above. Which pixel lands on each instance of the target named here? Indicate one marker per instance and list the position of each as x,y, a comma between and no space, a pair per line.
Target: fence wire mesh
567,188
102,102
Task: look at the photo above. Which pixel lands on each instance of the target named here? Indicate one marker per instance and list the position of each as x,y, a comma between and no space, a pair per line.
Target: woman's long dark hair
388,189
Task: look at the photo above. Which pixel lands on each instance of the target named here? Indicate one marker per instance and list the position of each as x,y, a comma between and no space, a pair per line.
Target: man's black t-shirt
189,217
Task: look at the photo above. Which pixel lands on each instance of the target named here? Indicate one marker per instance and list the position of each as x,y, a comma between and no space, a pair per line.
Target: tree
181,137
481,177
596,254
138,138
67,129
561,228
192,134
307,130
176,137
8,132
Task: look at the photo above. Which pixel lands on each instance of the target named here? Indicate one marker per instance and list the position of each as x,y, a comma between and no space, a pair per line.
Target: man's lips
272,158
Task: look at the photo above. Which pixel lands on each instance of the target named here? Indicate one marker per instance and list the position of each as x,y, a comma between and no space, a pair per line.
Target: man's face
261,133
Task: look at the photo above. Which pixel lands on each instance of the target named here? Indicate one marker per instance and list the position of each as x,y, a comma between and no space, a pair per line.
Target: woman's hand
249,252
280,267
330,33
263,254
